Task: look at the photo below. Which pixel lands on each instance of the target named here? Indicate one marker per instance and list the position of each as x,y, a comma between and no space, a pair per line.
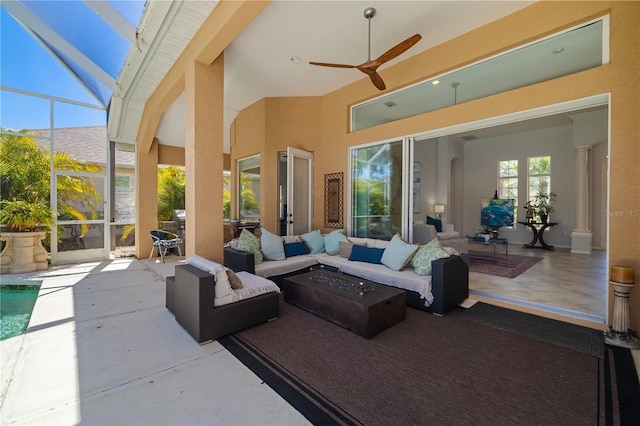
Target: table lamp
439,209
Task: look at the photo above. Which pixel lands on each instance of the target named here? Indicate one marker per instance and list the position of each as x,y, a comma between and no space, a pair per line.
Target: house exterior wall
269,127
619,78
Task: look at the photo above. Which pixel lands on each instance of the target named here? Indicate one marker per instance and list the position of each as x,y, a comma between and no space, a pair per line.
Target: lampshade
439,208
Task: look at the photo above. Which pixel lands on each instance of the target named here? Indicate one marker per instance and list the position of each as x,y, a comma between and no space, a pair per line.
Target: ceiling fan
371,66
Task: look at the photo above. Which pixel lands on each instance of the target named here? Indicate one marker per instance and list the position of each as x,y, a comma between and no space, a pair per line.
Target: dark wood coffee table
364,307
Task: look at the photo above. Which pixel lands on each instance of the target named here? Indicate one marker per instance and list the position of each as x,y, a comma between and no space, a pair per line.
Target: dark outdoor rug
424,370
510,267
620,389
575,337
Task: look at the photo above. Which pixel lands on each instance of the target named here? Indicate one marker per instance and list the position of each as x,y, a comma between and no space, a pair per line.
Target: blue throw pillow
366,254
398,253
295,249
271,245
332,241
435,222
314,240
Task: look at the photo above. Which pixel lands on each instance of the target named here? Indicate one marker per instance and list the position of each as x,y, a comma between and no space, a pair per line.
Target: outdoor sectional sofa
191,297
444,289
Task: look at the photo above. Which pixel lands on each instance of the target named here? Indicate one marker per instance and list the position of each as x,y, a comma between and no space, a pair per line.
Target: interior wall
457,193
481,179
437,187
426,153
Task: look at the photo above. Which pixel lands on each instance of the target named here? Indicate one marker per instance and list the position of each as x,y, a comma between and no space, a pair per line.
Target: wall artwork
497,213
417,207
333,200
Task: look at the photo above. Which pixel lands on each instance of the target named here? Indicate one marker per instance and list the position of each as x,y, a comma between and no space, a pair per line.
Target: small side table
492,242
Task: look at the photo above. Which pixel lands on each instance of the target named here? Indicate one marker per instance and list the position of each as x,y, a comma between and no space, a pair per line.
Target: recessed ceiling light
390,104
295,59
435,82
558,50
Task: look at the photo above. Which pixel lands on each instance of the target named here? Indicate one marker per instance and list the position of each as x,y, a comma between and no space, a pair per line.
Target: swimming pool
16,305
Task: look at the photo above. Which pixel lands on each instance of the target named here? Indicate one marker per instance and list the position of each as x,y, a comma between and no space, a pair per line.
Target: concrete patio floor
101,348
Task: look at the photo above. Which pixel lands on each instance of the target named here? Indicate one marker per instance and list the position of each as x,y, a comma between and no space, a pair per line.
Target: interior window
539,176
508,183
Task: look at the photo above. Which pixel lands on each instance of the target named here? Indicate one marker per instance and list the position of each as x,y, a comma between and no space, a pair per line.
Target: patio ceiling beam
111,16
224,24
44,32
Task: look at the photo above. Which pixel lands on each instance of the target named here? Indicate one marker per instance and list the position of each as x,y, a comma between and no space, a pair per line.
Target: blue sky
26,65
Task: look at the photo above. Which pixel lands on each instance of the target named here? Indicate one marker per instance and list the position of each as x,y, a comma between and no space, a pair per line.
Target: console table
538,229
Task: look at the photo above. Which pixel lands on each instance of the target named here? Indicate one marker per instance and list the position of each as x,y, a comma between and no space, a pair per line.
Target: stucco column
146,198
204,90
581,235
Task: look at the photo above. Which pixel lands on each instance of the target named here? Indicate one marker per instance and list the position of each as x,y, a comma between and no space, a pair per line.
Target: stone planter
23,252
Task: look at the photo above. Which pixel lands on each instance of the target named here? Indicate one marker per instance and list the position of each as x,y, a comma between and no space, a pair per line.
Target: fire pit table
362,306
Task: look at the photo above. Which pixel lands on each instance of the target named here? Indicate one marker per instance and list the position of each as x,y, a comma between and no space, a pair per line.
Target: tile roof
85,144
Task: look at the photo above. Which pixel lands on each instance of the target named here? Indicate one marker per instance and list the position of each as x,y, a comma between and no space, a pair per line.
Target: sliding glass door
378,206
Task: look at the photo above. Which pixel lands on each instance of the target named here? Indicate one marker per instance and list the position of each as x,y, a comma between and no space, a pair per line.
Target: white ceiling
258,62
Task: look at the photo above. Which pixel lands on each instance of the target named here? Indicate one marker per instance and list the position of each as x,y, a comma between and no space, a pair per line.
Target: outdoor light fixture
439,209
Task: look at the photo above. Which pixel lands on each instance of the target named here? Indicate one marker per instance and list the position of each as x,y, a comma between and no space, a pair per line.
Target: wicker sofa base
189,296
449,280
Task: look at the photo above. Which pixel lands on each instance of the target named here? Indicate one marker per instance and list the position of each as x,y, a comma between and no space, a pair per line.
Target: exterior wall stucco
269,127
619,78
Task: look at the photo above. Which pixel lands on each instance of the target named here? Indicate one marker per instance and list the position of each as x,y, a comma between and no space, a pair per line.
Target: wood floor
566,286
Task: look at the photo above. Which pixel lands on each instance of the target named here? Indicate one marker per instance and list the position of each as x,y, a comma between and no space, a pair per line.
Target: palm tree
171,191
25,175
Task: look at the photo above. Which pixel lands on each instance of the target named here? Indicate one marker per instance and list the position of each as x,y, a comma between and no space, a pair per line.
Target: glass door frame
407,182
292,155
82,254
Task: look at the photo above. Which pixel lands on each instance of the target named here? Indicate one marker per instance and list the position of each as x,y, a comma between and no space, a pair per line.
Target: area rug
423,370
575,337
511,267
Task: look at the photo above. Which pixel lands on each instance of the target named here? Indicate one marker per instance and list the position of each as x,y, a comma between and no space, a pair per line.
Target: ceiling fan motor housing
369,12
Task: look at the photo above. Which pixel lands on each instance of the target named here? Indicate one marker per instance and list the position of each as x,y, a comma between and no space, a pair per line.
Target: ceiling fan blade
398,49
323,64
377,80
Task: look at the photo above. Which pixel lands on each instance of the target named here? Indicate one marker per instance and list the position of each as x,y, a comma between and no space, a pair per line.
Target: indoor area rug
511,267
424,370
